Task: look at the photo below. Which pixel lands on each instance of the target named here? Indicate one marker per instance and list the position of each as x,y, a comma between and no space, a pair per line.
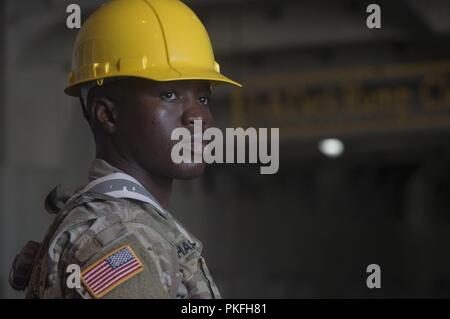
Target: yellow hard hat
161,40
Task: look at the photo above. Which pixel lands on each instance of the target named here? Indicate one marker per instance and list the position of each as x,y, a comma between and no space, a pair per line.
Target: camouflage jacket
125,244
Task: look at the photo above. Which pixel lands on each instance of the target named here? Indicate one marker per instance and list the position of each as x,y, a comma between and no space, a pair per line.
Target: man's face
148,114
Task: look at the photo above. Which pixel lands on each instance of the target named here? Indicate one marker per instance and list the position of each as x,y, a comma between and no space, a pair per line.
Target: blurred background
364,118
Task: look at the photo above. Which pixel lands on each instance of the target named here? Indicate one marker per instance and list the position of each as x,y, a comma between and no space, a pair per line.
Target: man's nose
197,112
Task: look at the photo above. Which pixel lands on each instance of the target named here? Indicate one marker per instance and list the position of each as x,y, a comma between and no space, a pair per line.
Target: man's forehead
119,85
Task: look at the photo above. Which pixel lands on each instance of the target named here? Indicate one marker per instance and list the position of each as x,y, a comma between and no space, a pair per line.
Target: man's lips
195,143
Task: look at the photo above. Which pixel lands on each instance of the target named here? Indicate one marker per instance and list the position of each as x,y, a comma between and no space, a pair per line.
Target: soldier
141,69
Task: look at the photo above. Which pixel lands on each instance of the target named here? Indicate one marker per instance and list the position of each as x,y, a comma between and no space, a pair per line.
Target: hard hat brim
207,75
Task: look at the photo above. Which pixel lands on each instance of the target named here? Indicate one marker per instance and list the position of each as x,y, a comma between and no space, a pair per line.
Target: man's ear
104,114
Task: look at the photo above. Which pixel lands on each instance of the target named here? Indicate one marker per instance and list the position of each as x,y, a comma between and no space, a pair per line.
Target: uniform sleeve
124,263
200,283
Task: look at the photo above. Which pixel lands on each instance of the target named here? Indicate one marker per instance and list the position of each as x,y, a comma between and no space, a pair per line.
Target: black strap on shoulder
55,200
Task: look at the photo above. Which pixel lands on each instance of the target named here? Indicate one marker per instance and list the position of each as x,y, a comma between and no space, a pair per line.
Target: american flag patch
110,271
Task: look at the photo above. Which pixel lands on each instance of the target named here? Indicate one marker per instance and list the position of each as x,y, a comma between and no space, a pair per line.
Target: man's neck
159,187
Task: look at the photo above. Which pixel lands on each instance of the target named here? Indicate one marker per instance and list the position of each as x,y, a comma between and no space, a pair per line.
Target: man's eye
204,100
169,96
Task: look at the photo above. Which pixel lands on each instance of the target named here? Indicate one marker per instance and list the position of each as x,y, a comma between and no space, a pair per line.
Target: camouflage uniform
95,223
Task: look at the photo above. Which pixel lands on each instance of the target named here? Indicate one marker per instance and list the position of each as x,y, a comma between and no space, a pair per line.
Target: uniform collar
100,169
102,172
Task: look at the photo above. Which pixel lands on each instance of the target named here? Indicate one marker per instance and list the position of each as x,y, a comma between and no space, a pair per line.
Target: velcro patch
110,271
